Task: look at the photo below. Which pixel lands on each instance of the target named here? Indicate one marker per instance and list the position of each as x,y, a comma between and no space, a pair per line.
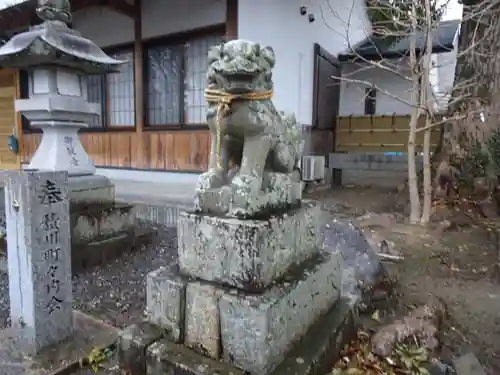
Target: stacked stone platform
243,292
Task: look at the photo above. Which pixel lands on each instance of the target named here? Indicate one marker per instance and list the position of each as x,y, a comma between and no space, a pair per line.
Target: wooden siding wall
377,134
161,150
9,120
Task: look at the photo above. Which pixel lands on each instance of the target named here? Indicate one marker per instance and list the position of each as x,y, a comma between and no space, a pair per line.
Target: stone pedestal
60,149
279,190
252,331
247,254
91,189
258,331
244,292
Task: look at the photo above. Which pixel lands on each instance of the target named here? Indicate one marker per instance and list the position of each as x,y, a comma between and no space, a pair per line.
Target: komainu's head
240,66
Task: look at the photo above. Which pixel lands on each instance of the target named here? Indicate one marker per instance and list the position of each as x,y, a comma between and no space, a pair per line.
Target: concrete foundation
377,169
247,254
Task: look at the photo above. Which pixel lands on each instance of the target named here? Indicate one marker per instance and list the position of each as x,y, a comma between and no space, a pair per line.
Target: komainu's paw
209,180
212,179
246,191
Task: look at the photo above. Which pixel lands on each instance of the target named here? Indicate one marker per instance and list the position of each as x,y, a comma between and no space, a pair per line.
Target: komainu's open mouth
240,82
240,76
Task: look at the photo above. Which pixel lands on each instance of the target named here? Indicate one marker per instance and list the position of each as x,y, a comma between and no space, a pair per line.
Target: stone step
95,253
159,213
100,221
247,254
314,354
165,357
252,331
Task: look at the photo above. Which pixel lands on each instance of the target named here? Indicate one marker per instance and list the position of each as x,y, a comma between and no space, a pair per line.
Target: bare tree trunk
426,61
415,114
427,207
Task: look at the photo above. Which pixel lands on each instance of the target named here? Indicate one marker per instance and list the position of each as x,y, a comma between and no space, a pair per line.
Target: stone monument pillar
38,243
58,60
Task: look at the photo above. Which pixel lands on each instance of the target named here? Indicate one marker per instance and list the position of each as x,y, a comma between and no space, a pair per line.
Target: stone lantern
59,59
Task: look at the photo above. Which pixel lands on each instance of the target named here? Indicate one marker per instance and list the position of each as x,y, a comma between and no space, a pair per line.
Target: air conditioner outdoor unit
313,168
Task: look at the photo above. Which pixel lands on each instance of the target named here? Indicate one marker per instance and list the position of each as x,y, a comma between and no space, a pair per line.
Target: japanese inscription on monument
50,193
50,225
70,147
41,216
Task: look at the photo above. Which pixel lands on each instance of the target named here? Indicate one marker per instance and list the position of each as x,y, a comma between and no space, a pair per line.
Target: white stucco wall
278,23
352,94
159,18
445,71
394,94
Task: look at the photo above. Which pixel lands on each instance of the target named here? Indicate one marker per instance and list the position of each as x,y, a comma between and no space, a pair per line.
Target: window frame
171,41
106,126
145,69
370,101
218,30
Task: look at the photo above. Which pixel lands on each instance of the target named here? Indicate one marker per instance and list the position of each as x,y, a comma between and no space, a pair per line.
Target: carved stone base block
133,343
280,191
258,331
60,149
318,349
91,189
247,254
254,331
202,320
98,221
166,300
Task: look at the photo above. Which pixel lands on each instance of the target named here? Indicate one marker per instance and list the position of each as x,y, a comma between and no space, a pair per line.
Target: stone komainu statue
247,130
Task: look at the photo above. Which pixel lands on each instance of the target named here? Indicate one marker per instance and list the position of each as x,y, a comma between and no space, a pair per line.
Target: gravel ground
116,292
